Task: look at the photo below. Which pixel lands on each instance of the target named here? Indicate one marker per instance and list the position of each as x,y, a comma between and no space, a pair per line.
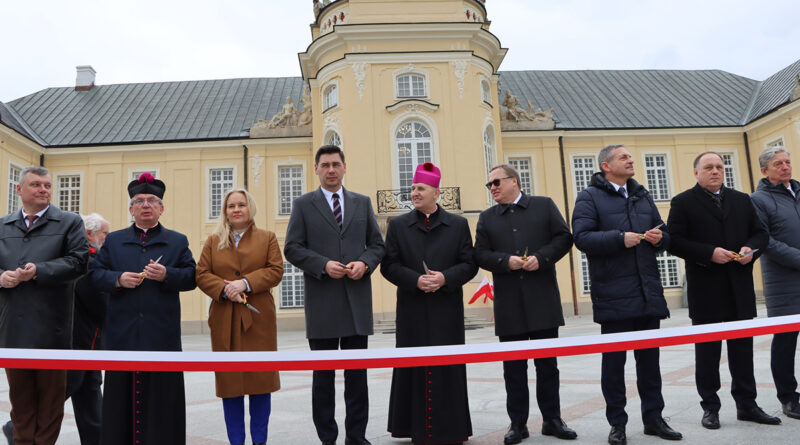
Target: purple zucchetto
147,184
427,173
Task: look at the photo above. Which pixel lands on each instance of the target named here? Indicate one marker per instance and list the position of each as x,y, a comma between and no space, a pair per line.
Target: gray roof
774,92
9,118
154,112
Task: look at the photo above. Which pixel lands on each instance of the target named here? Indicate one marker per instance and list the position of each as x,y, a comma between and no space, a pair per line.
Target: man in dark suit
520,240
44,252
616,223
334,238
716,229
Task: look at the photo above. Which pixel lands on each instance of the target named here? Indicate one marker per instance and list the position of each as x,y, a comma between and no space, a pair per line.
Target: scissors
154,262
641,235
249,306
737,255
525,255
425,267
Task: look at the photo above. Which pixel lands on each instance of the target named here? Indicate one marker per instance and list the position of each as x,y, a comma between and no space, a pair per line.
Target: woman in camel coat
242,269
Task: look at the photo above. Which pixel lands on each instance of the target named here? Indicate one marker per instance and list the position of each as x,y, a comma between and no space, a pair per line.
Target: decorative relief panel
460,70
360,73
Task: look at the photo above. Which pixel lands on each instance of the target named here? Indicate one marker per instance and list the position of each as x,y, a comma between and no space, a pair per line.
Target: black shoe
8,430
328,442
516,432
617,435
349,441
661,429
756,414
557,427
791,409
710,420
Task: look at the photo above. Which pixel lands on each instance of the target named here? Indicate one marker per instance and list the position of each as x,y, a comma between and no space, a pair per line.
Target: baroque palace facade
393,89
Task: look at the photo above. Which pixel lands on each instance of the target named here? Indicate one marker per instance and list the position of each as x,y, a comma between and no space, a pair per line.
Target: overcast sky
172,40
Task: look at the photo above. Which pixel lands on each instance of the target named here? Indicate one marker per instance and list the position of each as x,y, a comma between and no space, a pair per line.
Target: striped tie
337,209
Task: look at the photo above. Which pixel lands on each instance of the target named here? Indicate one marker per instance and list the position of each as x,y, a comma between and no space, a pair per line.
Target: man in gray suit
334,238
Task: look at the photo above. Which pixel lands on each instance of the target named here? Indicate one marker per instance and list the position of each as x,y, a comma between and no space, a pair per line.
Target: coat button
144,250
141,315
26,239
514,230
237,273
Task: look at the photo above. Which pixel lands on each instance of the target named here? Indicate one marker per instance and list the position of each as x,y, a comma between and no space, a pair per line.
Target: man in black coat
717,231
44,252
616,223
429,257
520,240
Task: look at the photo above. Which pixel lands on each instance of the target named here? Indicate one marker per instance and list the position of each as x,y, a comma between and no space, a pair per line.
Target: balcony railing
399,200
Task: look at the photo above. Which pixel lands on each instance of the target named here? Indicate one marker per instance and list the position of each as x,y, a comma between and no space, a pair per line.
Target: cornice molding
412,105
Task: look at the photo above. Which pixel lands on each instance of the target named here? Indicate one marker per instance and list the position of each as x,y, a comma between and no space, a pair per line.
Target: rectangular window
523,167
730,171
586,282
776,143
668,269
655,167
220,180
583,169
13,181
411,85
291,187
292,287
69,193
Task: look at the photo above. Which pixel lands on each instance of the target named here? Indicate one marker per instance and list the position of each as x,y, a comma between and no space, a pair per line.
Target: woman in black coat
429,403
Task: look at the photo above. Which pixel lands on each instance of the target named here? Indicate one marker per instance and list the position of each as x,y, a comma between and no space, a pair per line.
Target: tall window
292,287
13,181
330,97
486,92
523,167
291,187
220,180
668,269
69,193
582,169
414,146
488,149
655,167
586,282
333,138
411,85
730,171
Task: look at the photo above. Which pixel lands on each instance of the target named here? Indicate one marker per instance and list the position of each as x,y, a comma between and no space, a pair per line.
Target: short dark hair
697,159
509,170
326,150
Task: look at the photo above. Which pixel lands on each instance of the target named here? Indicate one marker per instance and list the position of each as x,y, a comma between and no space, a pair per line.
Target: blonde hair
223,229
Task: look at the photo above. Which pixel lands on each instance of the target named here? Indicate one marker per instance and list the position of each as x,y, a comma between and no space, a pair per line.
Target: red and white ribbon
390,357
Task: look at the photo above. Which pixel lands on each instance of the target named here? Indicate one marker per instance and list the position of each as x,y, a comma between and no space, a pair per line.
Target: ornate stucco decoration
256,162
360,74
460,71
412,106
472,15
796,90
329,20
287,122
518,118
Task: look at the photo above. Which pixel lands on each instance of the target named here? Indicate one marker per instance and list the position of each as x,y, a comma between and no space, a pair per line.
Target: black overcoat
523,301
717,292
429,404
38,313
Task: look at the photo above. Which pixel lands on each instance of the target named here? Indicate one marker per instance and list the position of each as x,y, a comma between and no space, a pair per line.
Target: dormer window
411,85
330,97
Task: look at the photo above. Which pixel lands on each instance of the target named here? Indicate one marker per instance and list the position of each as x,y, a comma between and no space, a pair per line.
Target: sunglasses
496,182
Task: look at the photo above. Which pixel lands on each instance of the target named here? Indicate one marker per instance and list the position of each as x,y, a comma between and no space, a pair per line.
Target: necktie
717,200
623,192
31,219
236,238
337,209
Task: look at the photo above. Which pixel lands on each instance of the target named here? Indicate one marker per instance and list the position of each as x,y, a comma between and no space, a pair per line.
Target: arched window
330,97
414,146
488,149
333,138
411,85
486,91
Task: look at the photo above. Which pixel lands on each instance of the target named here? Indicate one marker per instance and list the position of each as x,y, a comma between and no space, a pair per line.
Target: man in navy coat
616,223
144,268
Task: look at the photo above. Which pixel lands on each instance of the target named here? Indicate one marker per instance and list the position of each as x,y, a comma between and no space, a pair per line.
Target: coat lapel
349,208
322,206
706,203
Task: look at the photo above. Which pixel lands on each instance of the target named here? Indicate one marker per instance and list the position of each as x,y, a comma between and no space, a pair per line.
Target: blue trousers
260,407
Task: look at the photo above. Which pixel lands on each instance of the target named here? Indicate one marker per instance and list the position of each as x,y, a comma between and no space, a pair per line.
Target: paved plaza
581,400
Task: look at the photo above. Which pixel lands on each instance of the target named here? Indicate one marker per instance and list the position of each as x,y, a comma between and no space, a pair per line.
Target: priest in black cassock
144,267
429,257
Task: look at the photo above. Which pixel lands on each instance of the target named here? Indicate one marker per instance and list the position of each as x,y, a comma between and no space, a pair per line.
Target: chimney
85,79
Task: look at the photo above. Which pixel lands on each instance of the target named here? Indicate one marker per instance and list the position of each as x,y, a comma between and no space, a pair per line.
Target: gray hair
769,154
93,222
605,154
509,171
35,169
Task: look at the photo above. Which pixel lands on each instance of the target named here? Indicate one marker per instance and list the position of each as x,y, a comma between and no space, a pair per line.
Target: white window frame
400,120
235,176
734,168
326,105
664,260
411,70
573,177
667,169
489,155
510,158
329,141
58,189
278,185
486,93
294,275
776,142
583,267
14,202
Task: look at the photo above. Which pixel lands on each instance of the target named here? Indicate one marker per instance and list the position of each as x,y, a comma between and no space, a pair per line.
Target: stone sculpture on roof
518,118
287,122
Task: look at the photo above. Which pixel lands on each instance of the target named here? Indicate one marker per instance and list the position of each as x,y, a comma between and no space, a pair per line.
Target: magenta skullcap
427,173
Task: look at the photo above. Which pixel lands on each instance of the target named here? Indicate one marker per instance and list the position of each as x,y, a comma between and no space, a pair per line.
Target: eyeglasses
151,201
496,182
